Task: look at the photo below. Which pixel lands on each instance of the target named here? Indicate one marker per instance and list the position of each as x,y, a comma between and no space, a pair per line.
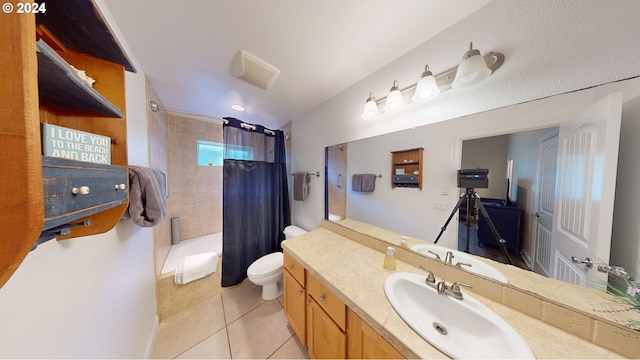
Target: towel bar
166,181
317,174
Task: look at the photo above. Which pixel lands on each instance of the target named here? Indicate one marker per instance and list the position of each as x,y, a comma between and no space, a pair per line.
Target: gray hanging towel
147,197
368,182
300,186
356,182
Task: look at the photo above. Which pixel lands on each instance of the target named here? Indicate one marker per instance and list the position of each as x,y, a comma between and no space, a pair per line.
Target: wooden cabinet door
325,340
294,267
294,305
365,343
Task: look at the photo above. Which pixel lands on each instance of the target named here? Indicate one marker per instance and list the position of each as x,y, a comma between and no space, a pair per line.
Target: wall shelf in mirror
406,168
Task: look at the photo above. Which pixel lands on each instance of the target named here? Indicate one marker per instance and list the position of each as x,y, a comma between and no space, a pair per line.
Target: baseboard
152,337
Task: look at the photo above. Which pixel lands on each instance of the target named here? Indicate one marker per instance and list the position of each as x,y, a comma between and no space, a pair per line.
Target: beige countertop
589,301
354,272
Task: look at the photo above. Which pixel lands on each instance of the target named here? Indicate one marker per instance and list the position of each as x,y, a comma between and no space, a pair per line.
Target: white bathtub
202,244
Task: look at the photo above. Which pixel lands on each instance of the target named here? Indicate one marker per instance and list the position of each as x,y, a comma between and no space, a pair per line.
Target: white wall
89,297
551,48
488,153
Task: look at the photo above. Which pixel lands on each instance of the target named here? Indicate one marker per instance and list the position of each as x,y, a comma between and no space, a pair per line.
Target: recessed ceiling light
237,107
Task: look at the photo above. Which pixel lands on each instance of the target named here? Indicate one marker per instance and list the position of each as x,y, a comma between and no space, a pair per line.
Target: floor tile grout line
226,326
214,333
280,347
279,300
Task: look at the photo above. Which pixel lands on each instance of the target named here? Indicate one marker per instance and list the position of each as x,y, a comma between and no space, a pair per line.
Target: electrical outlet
444,190
439,206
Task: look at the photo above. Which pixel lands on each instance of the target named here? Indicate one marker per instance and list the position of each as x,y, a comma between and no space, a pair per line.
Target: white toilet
267,270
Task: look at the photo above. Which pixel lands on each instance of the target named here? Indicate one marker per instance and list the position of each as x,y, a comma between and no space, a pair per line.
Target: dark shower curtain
255,196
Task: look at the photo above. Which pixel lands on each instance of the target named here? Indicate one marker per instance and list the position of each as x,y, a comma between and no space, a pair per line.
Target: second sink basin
477,266
459,328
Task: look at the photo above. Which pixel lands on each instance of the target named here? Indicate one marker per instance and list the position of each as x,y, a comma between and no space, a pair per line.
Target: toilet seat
267,265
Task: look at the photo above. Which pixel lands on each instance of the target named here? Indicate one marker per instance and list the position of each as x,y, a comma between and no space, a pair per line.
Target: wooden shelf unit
39,86
409,161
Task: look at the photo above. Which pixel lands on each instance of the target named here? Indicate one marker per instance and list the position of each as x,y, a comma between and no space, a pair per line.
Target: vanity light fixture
426,88
472,69
370,108
394,99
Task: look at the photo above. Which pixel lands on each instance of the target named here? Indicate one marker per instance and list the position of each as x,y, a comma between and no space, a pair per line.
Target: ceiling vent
253,70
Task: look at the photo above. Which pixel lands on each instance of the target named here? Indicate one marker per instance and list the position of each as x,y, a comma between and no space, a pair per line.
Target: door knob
587,261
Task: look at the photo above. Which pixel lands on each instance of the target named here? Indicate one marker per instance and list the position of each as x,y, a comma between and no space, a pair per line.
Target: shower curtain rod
155,108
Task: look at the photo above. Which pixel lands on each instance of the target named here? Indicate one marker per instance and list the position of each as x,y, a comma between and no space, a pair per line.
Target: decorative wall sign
58,141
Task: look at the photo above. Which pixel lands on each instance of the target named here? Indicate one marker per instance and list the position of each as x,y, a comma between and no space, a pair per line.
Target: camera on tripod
473,178
470,179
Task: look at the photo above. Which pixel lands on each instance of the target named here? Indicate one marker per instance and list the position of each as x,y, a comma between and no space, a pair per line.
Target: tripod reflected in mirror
471,179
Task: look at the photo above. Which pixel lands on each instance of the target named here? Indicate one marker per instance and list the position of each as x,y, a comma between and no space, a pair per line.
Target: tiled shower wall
196,191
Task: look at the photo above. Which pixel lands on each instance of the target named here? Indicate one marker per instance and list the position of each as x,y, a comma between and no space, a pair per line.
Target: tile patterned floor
237,324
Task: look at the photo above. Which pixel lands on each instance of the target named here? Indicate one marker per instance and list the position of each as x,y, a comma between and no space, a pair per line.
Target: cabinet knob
82,190
308,302
300,292
120,186
321,298
291,266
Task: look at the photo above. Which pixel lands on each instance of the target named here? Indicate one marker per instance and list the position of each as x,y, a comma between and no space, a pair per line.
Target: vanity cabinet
326,322
406,168
365,343
39,55
323,323
295,296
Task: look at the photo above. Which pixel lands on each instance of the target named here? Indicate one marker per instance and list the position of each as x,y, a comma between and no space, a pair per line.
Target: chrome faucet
435,254
430,279
448,258
453,290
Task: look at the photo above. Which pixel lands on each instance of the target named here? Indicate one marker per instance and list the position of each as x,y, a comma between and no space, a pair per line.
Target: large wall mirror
550,193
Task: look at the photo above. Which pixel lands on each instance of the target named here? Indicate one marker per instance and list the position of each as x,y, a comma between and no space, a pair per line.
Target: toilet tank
292,231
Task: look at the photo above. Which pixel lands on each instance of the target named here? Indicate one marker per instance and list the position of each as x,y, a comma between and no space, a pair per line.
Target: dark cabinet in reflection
507,219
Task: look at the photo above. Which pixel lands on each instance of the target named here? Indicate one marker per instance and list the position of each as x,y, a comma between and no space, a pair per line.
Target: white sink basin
472,330
477,266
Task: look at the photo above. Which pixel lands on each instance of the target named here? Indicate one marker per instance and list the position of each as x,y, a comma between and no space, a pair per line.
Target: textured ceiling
321,47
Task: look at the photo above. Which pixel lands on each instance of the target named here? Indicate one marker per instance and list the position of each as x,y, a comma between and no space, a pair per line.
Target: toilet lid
266,265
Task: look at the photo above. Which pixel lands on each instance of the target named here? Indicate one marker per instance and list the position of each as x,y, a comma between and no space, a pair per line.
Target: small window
212,153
